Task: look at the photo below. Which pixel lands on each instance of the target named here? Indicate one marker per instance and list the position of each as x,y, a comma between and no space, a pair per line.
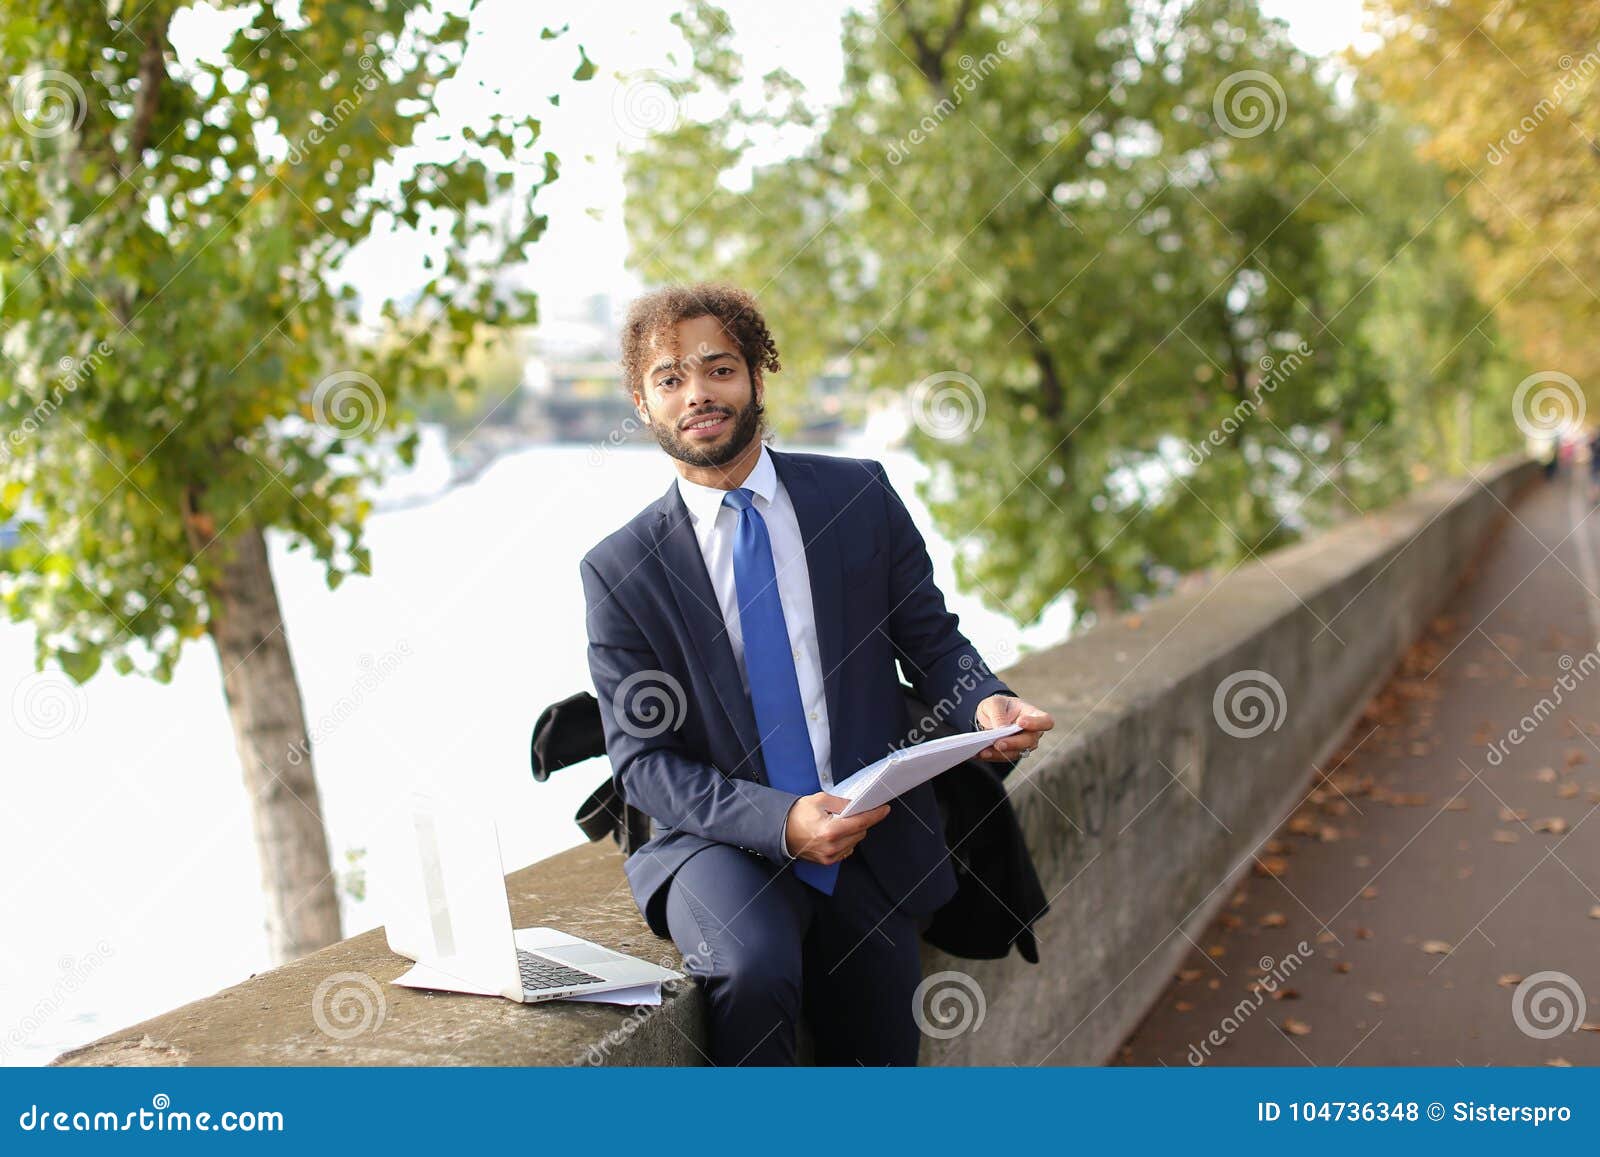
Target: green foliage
180,359
1167,257
1507,93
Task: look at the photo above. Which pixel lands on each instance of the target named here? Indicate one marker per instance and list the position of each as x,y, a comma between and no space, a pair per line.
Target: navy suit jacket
680,730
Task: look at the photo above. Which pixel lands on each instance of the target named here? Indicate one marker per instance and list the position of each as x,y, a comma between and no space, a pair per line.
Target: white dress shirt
715,526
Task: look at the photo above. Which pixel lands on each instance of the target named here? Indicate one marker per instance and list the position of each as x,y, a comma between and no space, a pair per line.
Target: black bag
998,897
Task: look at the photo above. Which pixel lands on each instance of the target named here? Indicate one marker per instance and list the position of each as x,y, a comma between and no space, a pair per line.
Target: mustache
703,415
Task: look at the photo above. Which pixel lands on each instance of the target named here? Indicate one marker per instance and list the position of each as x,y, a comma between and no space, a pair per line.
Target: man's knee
761,970
738,929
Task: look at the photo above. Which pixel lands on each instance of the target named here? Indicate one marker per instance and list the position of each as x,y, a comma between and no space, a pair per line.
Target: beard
747,423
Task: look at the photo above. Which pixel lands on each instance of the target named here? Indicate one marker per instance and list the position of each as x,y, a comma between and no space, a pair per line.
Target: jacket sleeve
944,668
642,709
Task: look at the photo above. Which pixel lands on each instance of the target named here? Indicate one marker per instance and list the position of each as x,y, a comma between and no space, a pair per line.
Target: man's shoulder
629,541
837,467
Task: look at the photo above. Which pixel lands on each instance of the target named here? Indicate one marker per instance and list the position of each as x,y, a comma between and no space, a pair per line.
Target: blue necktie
769,666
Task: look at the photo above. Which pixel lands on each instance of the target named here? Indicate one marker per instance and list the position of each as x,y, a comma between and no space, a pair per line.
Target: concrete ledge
1131,866
273,1018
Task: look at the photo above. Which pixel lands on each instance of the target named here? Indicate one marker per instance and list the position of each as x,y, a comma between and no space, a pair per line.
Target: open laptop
447,909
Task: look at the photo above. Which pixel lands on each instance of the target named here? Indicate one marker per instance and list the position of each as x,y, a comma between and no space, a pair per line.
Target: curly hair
660,310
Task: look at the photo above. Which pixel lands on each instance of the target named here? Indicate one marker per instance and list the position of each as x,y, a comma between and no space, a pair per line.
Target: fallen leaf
1369,893
1501,836
1555,825
1545,775
1377,998
1510,980
1568,791
1273,920
1507,815
1183,1006
1187,974
1559,1063
1215,951
1342,966
1594,913
1436,947
1363,933
1271,866
1457,805
1286,994
1295,1027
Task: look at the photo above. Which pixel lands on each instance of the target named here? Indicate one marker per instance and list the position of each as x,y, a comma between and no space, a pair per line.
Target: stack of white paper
900,771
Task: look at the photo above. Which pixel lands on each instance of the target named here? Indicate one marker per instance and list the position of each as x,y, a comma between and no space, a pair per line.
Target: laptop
443,892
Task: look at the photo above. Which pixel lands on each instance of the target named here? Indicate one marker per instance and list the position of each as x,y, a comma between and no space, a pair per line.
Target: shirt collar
704,501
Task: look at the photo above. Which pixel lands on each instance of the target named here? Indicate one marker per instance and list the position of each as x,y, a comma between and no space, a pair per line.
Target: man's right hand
815,833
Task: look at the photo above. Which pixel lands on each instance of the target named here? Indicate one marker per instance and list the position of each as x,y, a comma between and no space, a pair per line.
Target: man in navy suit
743,635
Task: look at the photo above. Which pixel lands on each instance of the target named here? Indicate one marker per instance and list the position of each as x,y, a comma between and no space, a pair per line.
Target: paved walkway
1440,857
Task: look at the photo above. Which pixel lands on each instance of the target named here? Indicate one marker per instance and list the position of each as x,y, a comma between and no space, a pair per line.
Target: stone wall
1183,737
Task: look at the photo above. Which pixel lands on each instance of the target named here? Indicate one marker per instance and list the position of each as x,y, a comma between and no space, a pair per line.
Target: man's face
698,397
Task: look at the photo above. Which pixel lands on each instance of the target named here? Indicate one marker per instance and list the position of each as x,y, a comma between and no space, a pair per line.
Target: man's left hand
1001,710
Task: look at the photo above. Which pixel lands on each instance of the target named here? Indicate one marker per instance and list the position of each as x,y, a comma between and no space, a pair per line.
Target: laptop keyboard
539,974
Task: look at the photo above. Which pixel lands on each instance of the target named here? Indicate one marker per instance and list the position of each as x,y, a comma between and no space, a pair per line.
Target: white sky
583,249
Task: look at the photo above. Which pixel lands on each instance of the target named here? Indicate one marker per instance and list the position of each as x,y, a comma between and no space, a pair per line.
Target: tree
1113,254
1507,92
184,373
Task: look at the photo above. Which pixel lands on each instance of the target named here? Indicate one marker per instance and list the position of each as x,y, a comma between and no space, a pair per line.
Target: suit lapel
690,584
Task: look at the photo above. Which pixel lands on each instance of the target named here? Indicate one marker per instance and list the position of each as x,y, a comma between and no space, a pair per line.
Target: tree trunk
269,729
